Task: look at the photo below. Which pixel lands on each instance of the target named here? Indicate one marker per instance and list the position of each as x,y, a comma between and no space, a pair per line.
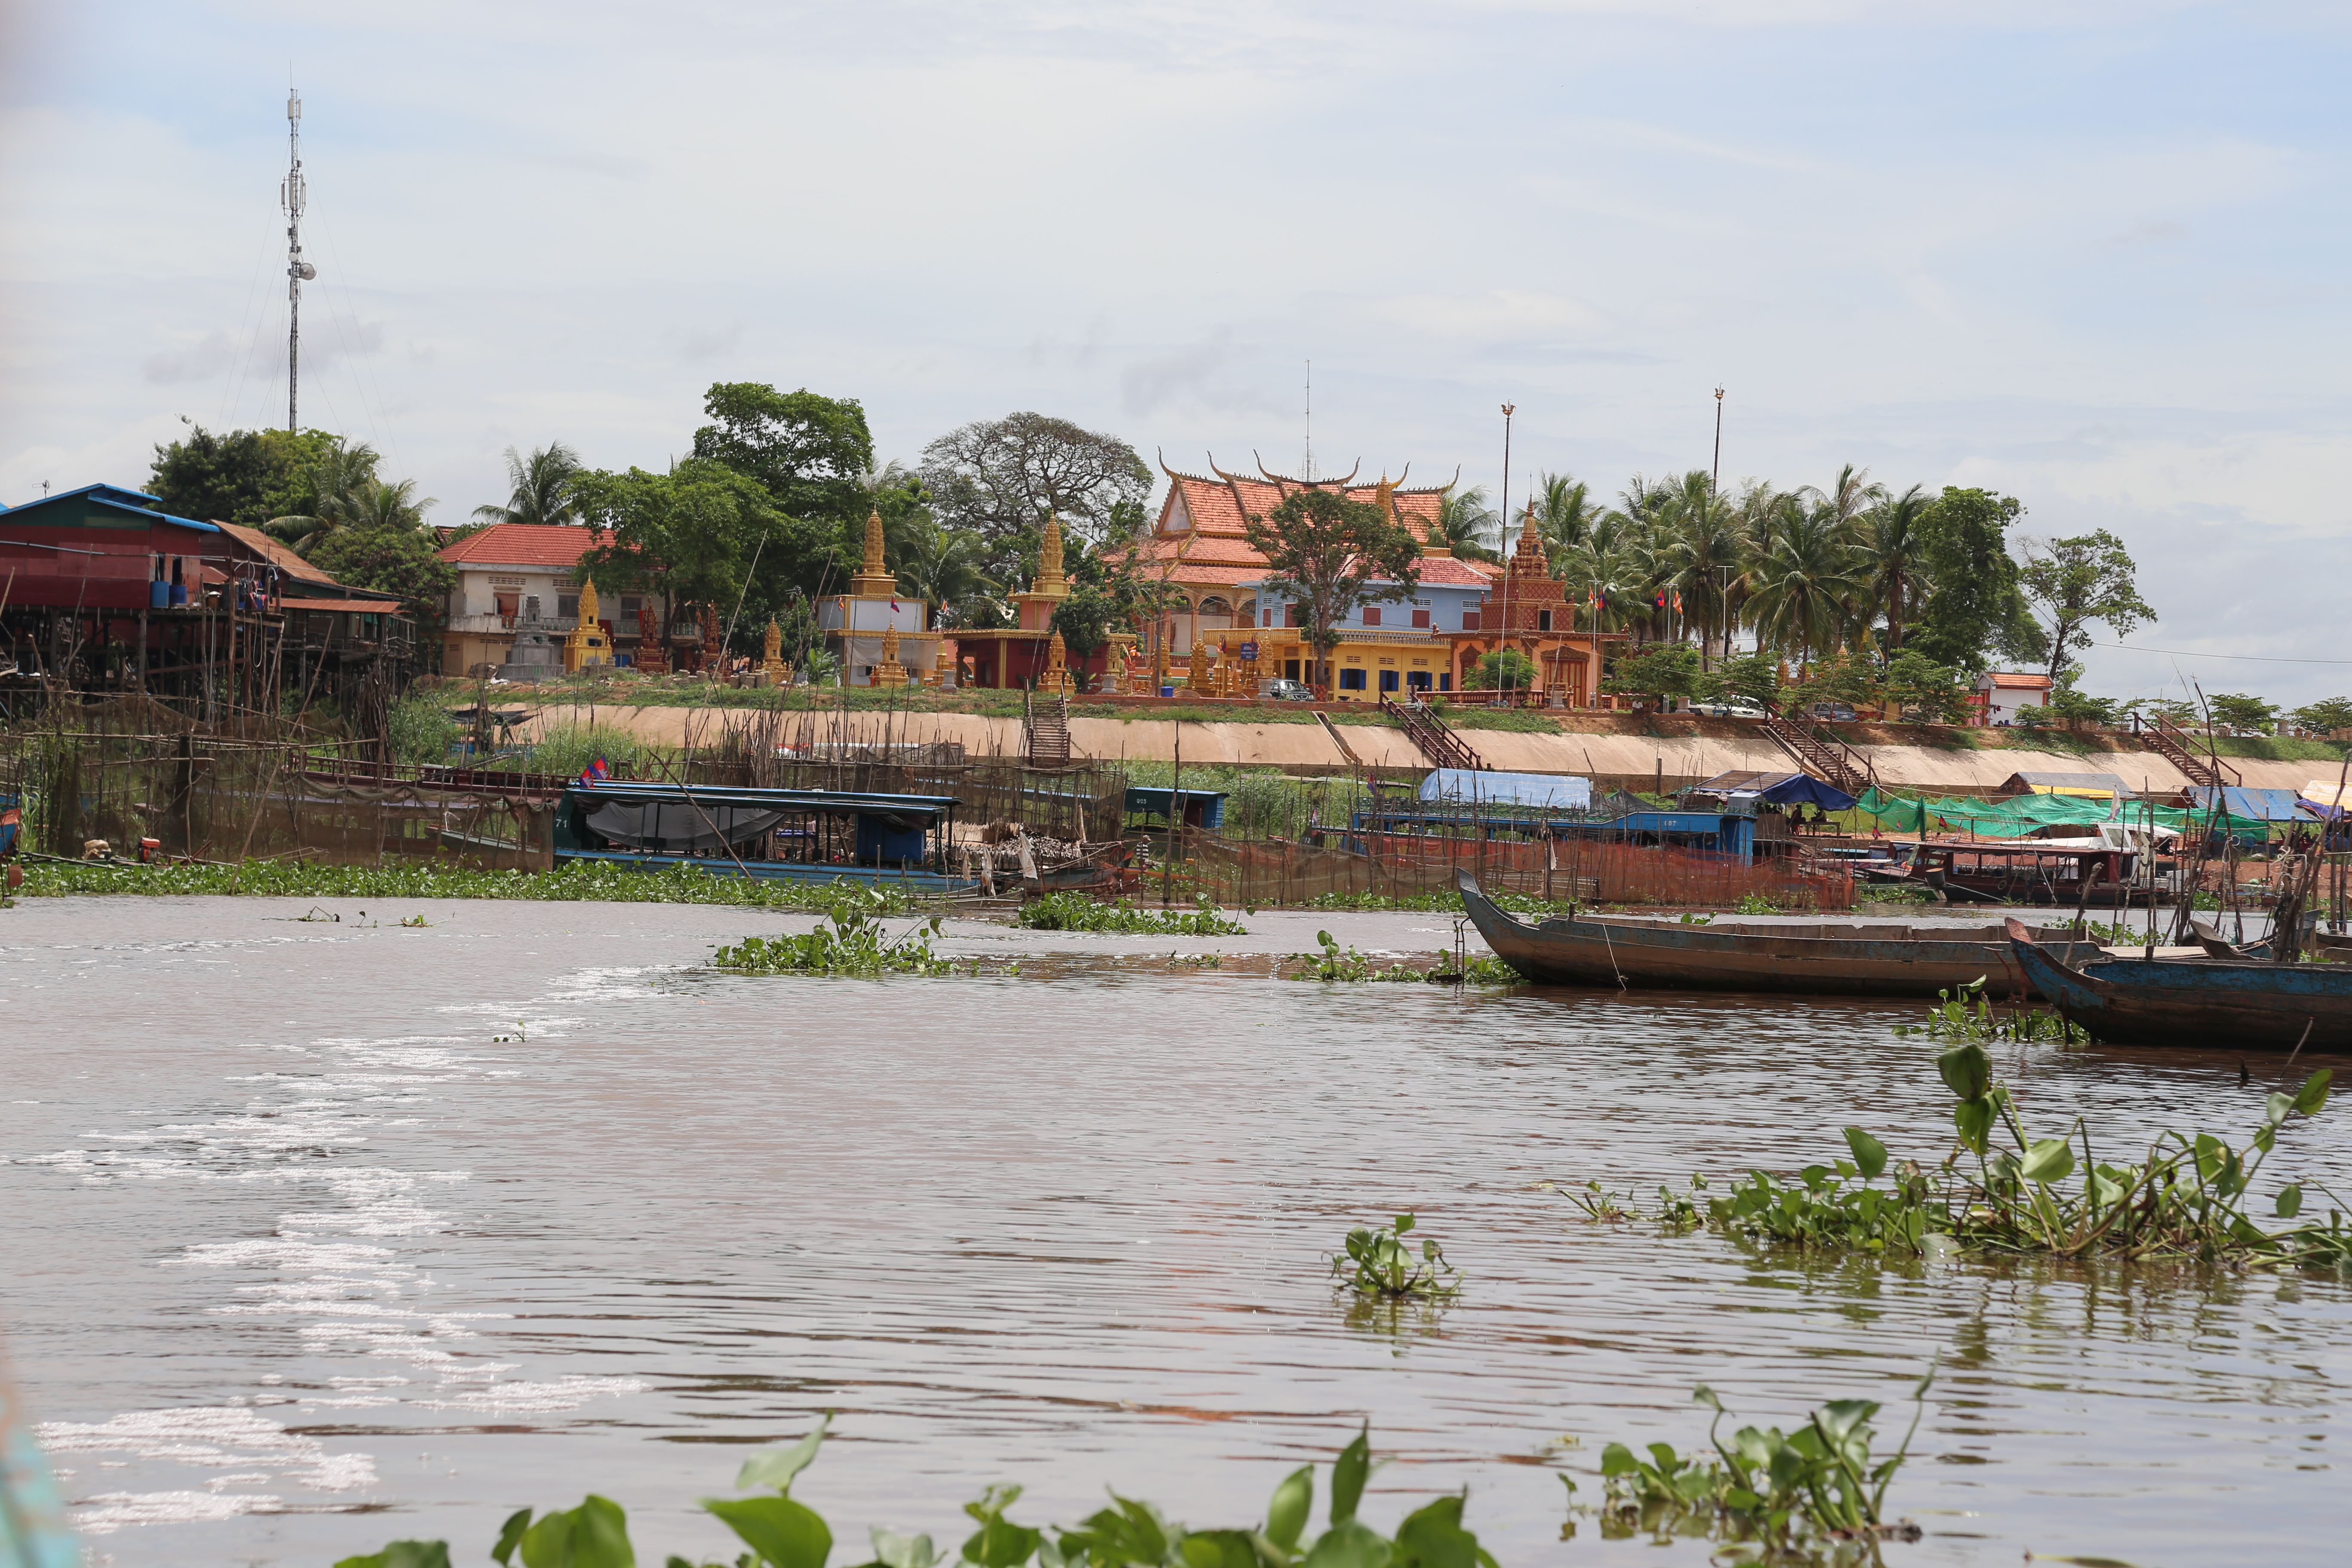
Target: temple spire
874,580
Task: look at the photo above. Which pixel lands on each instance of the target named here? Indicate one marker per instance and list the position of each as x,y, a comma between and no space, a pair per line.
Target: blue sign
1249,651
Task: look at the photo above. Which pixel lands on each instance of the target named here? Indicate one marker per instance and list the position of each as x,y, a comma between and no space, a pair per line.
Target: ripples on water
293,1233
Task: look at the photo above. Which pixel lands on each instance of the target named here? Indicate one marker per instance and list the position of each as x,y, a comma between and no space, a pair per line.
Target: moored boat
2213,1003
1828,959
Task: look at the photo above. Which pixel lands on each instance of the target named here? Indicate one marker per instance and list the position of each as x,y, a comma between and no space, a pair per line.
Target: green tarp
2010,818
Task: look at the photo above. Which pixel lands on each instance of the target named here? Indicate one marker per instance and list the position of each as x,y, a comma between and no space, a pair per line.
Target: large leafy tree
2325,716
388,559
702,534
1000,477
1329,555
1974,606
2074,582
541,488
248,477
811,453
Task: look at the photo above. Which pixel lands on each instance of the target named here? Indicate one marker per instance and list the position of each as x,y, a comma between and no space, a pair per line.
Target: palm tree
1893,547
336,477
1707,555
542,488
941,567
1565,513
1808,581
1849,498
1463,522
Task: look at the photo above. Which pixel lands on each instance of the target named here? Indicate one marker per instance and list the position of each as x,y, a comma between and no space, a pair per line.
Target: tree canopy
249,476
702,534
1329,553
1975,607
541,488
999,477
809,452
389,560
2074,582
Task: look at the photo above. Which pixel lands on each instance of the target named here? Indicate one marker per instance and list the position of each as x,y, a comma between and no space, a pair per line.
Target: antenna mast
289,196
1309,472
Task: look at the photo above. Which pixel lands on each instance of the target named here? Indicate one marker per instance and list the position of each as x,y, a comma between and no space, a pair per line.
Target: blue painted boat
775,835
2209,1003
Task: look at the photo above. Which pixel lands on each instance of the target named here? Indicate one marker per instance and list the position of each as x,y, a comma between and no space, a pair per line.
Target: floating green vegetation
1379,1262
590,880
780,1531
2188,1200
1076,911
1333,962
852,941
1968,1015
1815,1495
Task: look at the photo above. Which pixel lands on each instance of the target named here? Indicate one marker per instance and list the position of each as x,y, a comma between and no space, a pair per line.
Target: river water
319,1234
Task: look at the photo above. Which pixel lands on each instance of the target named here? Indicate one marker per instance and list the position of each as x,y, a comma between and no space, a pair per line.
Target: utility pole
1714,475
1503,538
290,196
1308,473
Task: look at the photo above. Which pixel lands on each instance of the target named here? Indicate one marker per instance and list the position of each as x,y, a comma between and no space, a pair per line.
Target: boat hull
2204,1003
1890,960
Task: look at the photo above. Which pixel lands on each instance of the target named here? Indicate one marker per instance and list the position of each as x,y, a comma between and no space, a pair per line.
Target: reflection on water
295,1233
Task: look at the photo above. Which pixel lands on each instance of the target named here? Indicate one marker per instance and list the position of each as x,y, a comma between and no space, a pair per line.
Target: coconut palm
1846,501
1566,512
1707,553
1465,522
1892,548
542,486
1808,582
943,566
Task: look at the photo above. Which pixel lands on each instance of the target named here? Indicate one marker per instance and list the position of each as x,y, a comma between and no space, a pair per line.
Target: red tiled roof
364,606
1452,571
2004,677
1216,506
523,544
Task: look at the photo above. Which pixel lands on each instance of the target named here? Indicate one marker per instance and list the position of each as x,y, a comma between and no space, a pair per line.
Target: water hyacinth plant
780,1531
2188,1199
1813,1494
852,941
1378,1261
592,882
1076,911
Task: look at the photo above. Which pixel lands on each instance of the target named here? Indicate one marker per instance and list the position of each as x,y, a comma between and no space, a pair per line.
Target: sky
2088,254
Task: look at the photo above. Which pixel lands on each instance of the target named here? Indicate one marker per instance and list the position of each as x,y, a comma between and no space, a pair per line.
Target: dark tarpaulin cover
1806,790
677,826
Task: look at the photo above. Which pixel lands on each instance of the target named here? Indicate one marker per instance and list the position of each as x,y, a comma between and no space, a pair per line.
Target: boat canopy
927,810
2249,805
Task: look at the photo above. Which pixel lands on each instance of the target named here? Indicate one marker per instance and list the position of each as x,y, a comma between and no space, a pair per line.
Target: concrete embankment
1612,750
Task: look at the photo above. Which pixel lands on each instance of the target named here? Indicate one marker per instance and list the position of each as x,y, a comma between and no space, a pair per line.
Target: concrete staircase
1817,752
1427,731
2176,746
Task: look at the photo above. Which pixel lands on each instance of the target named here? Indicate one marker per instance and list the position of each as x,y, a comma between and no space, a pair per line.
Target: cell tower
289,196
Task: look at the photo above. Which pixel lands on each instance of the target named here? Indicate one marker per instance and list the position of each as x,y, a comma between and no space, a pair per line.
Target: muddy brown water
310,1245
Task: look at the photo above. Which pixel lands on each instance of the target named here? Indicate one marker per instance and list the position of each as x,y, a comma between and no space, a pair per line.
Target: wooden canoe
2210,1003
1813,959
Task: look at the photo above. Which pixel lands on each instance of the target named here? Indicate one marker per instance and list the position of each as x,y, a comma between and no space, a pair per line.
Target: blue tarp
1537,792
2252,805
1803,789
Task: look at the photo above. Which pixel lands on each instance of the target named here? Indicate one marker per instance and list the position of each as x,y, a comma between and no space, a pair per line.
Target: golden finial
1049,555
873,544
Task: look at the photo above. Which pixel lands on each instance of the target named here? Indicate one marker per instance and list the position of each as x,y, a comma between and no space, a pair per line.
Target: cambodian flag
595,772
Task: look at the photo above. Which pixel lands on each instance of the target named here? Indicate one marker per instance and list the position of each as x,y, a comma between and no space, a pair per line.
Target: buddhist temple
1424,641
855,624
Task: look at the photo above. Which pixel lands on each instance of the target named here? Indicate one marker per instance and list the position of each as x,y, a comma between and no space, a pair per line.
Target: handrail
1437,741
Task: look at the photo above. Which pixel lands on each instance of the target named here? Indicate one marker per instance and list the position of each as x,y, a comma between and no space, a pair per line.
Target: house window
1444,681
1388,680
567,605
1269,615
1290,615
506,605
1469,620
1416,679
1420,619
1351,680
1371,615
1543,620
1289,669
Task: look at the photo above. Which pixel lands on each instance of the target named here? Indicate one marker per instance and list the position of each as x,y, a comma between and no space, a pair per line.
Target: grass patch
2280,748
590,881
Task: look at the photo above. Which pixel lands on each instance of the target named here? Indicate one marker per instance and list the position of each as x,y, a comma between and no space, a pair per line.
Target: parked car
1728,708
1836,712
1289,692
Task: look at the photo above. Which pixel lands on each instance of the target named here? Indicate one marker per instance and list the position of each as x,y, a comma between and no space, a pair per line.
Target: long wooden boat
1815,960
2211,1004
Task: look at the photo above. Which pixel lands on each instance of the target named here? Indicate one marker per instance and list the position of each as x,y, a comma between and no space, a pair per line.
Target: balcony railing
496,624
